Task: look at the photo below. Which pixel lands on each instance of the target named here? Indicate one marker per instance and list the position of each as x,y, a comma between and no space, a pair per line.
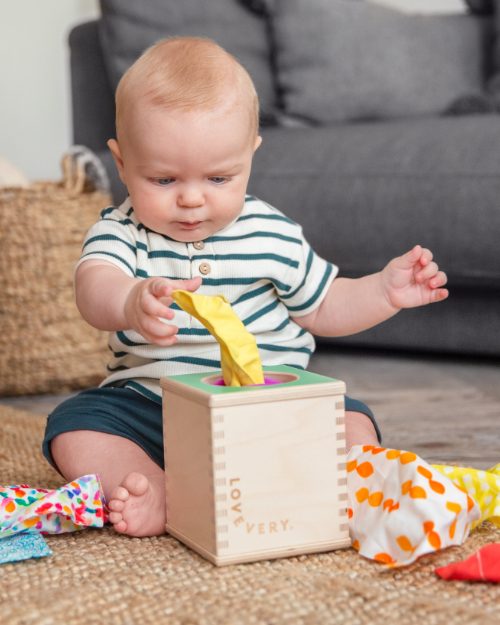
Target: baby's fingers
435,284
425,257
156,331
439,280
156,308
438,295
160,287
429,270
155,305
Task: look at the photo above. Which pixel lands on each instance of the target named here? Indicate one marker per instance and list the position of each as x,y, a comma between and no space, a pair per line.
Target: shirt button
198,245
205,268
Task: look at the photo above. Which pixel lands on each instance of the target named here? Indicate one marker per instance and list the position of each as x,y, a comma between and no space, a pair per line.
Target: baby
187,129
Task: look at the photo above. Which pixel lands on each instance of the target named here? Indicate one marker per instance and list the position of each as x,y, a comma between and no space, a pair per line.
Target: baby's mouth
189,225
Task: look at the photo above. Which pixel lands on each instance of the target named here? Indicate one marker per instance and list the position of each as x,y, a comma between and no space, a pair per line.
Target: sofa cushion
341,60
366,192
481,7
494,81
127,28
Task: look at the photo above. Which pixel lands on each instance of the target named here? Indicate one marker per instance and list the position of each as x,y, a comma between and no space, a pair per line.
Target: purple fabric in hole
268,380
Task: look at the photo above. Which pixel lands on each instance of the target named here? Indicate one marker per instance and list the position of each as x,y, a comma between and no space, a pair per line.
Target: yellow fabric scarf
240,360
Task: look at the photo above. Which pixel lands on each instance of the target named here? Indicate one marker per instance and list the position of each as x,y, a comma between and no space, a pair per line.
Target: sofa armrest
91,94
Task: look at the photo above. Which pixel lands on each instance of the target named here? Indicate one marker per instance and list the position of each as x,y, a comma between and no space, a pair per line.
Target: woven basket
45,346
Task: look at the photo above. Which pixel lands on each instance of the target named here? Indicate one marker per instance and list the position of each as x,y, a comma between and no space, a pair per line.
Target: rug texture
98,576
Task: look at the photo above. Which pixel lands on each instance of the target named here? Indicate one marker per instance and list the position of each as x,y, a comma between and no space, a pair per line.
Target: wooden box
256,472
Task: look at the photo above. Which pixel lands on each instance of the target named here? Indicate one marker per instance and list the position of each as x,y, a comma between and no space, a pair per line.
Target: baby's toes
115,517
119,494
135,484
116,505
118,522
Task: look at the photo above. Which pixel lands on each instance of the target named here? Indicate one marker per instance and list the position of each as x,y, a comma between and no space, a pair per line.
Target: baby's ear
258,141
117,155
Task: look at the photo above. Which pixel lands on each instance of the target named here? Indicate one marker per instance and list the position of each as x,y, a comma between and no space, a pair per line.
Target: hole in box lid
270,379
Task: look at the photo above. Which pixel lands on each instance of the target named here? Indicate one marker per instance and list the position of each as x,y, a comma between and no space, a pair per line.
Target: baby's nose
190,196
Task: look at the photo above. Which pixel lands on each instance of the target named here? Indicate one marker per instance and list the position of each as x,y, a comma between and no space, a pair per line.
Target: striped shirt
261,263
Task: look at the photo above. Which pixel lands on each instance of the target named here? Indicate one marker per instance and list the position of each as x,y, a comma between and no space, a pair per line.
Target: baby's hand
148,301
413,279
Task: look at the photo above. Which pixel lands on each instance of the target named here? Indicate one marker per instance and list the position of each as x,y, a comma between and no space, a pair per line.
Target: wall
35,119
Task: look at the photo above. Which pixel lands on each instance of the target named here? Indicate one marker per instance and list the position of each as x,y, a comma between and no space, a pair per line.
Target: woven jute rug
98,576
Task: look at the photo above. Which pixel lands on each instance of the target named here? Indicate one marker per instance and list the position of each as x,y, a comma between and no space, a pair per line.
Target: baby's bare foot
137,506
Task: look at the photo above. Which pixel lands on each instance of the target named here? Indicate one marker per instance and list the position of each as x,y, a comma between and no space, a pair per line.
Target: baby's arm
109,299
353,305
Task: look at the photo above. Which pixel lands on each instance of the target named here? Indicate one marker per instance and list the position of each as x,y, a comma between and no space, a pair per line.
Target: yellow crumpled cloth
240,360
482,486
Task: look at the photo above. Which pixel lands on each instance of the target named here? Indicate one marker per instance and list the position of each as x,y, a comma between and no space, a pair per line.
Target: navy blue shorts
124,412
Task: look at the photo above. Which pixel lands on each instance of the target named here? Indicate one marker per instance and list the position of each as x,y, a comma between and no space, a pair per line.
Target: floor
446,409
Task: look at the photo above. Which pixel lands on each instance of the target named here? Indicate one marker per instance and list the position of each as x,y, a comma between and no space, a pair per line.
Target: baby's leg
133,484
359,430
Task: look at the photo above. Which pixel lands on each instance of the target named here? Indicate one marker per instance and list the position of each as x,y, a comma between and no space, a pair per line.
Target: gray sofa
366,182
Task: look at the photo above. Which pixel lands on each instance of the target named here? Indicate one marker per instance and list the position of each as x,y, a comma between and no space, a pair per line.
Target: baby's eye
163,182
218,179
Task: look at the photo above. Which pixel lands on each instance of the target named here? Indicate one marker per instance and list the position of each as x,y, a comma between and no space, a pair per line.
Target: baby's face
186,171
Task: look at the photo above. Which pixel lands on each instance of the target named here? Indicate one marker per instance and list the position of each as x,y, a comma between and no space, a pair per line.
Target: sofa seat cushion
340,60
127,28
366,192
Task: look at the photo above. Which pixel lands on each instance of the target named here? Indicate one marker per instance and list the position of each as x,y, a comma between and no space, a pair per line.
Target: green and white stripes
261,263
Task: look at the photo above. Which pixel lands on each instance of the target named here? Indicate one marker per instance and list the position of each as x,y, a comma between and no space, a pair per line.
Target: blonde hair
186,73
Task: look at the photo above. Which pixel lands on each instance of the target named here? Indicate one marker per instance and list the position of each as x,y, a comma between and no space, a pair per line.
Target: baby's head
182,74
187,128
